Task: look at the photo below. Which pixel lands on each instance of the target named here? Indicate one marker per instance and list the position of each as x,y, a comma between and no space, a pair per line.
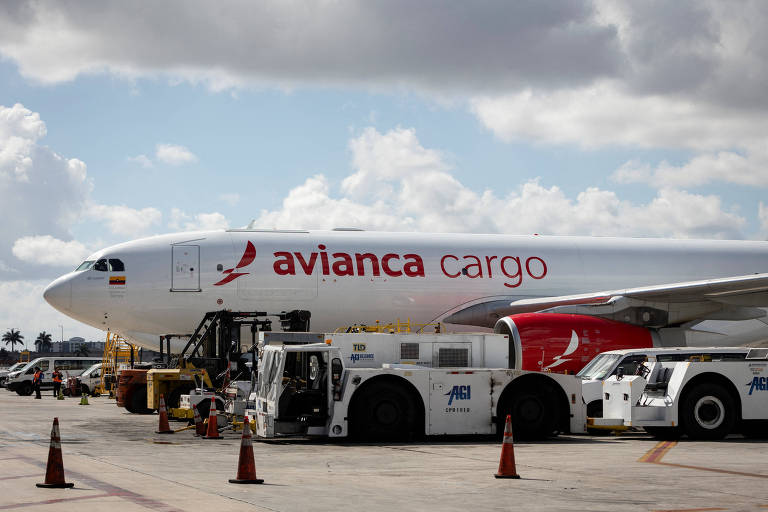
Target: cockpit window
84,265
101,266
116,265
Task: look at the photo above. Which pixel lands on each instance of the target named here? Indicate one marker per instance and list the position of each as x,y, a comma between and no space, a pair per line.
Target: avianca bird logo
248,256
572,346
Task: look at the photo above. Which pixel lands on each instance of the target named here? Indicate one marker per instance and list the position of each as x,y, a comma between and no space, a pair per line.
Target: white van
21,381
5,371
606,364
89,379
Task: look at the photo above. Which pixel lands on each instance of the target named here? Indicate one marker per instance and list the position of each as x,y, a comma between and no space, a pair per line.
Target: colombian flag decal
117,280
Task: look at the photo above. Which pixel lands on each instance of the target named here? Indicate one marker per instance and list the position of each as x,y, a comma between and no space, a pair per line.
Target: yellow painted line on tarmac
656,453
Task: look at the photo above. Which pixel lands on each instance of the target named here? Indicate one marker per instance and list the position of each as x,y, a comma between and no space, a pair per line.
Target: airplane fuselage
343,277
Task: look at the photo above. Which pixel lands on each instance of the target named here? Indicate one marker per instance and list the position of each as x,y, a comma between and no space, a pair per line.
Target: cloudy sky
606,118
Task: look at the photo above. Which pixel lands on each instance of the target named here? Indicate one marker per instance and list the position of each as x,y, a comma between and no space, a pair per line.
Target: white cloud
43,192
123,220
380,159
198,222
415,192
749,168
18,121
47,250
604,114
693,77
174,155
142,160
231,198
20,129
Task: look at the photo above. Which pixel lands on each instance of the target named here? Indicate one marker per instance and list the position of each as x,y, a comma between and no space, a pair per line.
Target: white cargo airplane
541,290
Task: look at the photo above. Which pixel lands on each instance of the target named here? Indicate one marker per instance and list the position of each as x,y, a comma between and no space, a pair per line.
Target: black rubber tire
128,403
25,389
139,401
534,413
65,391
707,412
384,412
665,433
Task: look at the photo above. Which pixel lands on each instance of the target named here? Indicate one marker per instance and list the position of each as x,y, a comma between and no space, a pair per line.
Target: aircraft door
185,271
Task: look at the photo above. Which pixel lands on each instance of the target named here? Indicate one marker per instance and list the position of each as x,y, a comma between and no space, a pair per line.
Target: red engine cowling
565,343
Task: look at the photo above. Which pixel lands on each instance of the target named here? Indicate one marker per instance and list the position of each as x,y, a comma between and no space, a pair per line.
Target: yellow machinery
395,327
172,383
118,353
24,356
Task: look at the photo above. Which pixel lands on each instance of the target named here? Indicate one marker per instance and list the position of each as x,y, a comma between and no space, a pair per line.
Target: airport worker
57,378
37,379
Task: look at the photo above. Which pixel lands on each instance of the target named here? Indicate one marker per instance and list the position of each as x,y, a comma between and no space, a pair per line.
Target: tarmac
118,463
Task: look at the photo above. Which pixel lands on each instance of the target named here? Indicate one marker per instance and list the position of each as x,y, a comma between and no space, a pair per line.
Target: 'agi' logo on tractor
458,393
758,383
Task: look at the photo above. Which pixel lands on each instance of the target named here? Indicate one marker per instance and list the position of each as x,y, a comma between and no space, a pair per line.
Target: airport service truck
704,399
450,387
367,350
609,363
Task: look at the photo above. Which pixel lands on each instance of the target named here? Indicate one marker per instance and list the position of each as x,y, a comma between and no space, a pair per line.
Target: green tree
13,337
82,350
43,342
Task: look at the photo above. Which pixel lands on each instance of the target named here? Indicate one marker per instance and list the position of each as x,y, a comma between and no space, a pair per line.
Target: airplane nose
59,294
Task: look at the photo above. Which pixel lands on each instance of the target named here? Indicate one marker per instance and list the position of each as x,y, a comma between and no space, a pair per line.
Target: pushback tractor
322,389
703,399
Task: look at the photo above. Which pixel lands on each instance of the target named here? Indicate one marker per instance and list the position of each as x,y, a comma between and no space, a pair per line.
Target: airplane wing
675,304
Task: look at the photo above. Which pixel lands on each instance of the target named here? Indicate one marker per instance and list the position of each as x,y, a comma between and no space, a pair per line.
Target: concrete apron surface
117,462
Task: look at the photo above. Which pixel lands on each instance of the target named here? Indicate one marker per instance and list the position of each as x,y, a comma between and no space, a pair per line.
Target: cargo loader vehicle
211,357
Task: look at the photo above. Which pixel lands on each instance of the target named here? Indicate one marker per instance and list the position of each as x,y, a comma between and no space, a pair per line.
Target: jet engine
566,343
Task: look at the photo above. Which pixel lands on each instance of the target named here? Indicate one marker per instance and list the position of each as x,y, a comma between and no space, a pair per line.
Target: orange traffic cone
507,462
199,425
213,427
54,471
164,427
246,467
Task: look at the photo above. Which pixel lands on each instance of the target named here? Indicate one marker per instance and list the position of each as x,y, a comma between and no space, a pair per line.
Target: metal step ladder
117,352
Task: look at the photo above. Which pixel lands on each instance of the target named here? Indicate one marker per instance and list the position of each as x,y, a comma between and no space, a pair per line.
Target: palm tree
13,337
82,350
43,342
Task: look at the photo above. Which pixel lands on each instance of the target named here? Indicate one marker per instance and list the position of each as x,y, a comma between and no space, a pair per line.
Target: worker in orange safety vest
37,379
57,379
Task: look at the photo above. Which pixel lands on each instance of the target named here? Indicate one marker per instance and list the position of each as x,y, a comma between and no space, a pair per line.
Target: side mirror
619,373
336,369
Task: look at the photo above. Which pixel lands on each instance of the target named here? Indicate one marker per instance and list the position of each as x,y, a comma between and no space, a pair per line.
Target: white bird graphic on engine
572,346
